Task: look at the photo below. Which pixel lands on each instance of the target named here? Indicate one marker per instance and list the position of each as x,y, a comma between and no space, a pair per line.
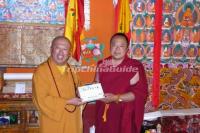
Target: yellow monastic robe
53,116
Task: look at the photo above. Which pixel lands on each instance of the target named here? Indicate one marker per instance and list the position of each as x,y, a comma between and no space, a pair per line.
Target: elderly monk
54,92
125,87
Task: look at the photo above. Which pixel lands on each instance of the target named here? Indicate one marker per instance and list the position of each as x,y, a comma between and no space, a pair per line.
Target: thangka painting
32,11
180,52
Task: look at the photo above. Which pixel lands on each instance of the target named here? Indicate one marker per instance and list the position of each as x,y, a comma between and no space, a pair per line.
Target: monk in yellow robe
54,91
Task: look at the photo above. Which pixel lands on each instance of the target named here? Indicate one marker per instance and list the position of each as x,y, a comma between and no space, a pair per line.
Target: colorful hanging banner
123,17
74,24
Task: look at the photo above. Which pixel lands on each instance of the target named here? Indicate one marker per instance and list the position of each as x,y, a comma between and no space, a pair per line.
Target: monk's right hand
75,101
109,97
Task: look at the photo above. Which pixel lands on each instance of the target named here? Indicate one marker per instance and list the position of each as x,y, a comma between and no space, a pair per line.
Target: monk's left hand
109,97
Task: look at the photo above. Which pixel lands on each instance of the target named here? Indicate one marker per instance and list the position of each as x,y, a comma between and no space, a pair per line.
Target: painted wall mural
32,11
180,31
180,57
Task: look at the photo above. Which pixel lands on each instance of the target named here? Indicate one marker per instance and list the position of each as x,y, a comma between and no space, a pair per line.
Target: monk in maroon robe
125,87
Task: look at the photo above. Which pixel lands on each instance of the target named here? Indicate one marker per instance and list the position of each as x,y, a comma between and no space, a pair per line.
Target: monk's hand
75,101
109,97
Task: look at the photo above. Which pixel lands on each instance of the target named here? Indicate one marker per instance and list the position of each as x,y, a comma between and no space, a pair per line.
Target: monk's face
118,47
60,51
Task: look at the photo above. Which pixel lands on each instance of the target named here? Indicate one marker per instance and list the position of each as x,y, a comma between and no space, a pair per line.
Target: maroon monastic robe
123,117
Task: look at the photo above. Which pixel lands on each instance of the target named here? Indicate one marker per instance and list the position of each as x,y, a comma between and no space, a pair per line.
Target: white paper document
20,87
91,92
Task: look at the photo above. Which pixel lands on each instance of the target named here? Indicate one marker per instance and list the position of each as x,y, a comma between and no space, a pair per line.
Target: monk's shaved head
59,38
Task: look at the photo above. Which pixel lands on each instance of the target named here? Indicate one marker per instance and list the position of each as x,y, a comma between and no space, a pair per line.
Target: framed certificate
91,92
